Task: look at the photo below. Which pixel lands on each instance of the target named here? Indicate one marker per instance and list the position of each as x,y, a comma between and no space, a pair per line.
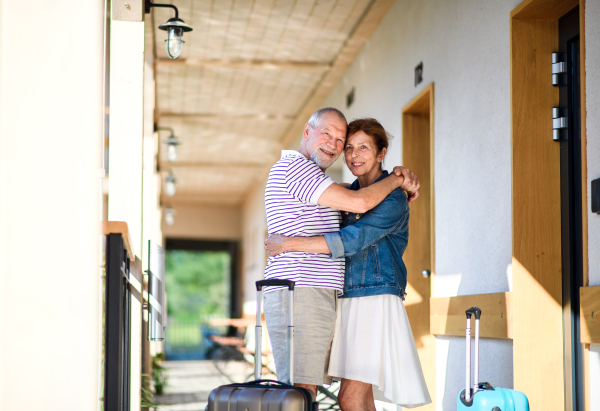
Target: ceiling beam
228,116
246,64
164,165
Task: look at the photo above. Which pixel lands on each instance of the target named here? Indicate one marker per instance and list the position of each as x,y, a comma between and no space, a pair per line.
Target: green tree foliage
197,284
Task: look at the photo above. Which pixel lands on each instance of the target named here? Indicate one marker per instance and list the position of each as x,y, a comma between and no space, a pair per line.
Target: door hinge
558,68
558,123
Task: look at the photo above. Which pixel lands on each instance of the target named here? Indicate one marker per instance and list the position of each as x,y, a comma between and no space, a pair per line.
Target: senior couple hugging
342,245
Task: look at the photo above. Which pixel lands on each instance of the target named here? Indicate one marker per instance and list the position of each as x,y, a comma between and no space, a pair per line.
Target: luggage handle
476,312
258,334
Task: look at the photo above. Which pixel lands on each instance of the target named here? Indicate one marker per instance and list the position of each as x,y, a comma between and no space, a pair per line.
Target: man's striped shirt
294,186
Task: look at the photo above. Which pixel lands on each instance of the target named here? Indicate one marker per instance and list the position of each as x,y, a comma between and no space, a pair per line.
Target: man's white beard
322,159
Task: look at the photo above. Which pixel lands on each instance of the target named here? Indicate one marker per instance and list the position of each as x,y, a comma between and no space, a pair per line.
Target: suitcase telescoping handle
258,351
473,311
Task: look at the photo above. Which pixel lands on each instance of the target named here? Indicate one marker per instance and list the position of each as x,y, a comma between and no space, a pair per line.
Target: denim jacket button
347,213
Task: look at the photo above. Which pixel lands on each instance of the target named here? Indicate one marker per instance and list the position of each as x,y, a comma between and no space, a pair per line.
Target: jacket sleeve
388,217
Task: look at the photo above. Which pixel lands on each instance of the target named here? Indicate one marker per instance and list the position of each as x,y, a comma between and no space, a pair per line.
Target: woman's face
361,154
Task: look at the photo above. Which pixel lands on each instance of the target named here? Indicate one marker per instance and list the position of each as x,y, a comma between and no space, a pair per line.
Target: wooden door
417,153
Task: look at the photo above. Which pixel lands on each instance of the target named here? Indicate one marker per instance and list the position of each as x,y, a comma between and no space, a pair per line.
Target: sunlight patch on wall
412,296
442,347
447,285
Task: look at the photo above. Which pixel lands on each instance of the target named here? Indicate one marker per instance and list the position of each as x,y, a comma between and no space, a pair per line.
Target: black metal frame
117,373
148,5
571,208
232,248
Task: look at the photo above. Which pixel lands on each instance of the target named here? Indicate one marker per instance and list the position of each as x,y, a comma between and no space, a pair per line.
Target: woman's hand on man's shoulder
410,184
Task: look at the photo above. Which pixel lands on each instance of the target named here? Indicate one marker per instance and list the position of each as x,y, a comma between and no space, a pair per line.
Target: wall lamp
170,185
175,27
172,142
170,215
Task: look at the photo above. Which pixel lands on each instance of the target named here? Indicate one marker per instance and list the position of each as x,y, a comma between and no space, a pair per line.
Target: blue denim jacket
373,244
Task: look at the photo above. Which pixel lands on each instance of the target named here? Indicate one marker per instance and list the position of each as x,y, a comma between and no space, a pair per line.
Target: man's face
325,141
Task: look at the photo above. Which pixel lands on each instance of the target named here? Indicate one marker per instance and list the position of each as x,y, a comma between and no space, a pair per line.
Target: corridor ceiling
250,75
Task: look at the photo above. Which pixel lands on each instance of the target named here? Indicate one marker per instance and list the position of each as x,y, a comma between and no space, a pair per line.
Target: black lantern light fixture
172,142
175,27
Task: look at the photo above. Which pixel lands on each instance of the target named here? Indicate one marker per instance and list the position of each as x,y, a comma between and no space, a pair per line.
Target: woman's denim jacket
373,244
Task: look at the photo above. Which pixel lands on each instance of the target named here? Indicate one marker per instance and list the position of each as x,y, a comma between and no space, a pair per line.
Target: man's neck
302,150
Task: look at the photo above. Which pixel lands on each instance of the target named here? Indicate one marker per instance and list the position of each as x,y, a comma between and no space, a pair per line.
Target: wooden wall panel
537,278
448,315
590,314
417,144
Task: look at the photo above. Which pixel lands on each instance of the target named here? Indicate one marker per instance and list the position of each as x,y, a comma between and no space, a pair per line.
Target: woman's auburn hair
373,129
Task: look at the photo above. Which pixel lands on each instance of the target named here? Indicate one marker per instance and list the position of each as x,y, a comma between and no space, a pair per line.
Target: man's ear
306,130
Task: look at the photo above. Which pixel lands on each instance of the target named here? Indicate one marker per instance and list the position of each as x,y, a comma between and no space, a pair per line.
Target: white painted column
151,229
51,117
126,127
126,137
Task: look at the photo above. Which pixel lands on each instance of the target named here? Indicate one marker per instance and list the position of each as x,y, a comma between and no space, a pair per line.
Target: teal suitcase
482,396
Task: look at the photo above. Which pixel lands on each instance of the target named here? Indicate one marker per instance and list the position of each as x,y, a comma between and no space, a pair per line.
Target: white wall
465,49
254,227
51,118
592,68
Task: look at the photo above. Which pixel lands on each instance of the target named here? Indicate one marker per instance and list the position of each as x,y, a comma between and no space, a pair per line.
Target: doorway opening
202,283
543,218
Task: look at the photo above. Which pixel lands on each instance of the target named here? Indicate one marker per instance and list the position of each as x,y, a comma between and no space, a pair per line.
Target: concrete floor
190,382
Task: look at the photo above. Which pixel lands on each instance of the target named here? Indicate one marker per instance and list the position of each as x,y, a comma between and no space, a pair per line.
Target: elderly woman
373,350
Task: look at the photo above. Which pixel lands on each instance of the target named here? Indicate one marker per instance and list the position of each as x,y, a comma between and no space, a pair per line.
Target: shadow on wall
495,366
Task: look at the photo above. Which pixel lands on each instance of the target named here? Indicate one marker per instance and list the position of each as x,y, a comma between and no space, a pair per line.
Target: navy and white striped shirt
294,186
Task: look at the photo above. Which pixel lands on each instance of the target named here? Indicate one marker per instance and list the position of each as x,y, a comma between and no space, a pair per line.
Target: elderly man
301,200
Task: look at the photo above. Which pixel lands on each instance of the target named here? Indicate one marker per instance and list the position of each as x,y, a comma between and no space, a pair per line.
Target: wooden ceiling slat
218,24
316,29
345,14
275,28
258,20
253,70
237,29
295,29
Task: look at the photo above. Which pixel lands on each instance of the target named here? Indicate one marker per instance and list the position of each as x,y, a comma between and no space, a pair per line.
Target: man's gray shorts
314,322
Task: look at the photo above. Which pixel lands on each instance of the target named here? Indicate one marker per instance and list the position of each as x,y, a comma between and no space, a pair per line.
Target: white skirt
373,343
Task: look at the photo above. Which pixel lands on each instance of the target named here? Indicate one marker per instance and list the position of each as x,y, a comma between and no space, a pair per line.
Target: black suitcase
261,395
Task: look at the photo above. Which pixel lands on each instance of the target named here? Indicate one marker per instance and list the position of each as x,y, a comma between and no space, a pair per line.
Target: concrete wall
592,68
204,223
465,49
51,118
254,227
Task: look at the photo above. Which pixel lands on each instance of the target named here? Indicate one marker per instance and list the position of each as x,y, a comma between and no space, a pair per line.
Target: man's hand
411,182
274,244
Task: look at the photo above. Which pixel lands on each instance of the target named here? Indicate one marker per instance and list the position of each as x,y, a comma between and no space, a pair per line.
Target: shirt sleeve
305,181
388,217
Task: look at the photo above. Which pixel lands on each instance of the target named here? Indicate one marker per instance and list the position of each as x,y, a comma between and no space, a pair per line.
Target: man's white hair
315,119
